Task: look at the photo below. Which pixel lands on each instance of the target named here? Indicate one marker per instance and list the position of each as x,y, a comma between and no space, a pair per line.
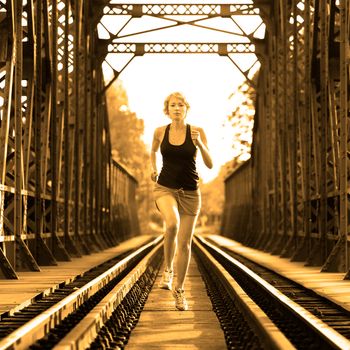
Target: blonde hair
178,95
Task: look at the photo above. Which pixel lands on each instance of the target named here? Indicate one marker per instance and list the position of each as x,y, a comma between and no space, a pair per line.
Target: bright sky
207,80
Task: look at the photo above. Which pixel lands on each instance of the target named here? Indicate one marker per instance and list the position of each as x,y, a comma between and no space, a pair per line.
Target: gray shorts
188,202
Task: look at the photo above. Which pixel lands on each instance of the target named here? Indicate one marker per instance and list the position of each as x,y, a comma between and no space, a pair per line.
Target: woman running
176,191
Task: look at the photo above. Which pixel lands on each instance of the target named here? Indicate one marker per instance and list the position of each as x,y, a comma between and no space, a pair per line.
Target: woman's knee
184,246
172,227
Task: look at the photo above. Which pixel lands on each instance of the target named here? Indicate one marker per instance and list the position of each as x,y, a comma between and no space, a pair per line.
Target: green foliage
213,199
242,120
128,148
126,132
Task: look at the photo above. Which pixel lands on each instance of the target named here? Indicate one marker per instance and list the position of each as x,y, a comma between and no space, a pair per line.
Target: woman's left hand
196,137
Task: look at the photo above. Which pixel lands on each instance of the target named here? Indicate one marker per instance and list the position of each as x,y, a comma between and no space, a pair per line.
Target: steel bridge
61,193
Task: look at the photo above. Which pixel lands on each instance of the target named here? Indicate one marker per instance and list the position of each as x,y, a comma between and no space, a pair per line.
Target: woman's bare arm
201,141
154,150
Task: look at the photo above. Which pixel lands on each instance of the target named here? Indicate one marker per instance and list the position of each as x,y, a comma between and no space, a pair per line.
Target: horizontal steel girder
140,49
222,10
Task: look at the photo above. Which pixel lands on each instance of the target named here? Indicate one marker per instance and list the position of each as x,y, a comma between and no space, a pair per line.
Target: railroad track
329,312
46,322
103,306
291,314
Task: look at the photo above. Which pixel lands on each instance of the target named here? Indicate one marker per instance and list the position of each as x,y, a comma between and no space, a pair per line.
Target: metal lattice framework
175,16
61,194
140,49
299,171
171,9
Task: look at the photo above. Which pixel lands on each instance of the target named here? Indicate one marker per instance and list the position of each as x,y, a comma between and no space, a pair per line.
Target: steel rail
82,335
268,333
328,334
40,325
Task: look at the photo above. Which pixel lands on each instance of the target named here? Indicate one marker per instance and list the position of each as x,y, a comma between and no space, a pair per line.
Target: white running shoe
166,280
180,300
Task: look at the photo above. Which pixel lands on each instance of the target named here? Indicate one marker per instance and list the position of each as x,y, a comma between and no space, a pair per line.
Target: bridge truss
61,194
299,171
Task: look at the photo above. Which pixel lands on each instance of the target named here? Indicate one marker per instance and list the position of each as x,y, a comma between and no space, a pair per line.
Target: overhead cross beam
210,10
140,49
177,15
222,49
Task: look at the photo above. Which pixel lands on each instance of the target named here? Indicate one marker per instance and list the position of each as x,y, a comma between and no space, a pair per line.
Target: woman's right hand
154,176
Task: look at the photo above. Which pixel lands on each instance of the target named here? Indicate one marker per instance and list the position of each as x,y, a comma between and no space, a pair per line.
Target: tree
126,131
242,120
213,199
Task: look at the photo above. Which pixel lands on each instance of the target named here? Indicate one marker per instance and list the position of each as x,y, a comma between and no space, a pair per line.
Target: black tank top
179,163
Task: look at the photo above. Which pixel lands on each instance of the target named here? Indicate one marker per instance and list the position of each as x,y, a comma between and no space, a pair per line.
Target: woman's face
176,109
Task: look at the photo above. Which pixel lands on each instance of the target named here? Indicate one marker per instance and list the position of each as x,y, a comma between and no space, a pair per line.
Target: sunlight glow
260,32
60,6
206,80
209,81
102,32
2,80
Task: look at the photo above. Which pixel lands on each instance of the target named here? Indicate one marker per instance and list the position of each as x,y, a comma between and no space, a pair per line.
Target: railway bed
118,305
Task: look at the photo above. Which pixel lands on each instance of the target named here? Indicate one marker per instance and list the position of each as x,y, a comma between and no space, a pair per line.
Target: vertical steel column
304,246
70,244
85,137
66,131
344,116
336,241
281,12
93,213
261,178
99,159
324,128
18,118
55,242
56,246
76,81
42,254
316,255
97,155
292,114
272,76
269,71
28,117
274,61
23,258
7,254
117,204
290,133
93,153
87,118
77,130
108,176
107,154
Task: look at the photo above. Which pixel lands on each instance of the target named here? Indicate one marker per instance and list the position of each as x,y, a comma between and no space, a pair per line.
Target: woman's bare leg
184,240
169,210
